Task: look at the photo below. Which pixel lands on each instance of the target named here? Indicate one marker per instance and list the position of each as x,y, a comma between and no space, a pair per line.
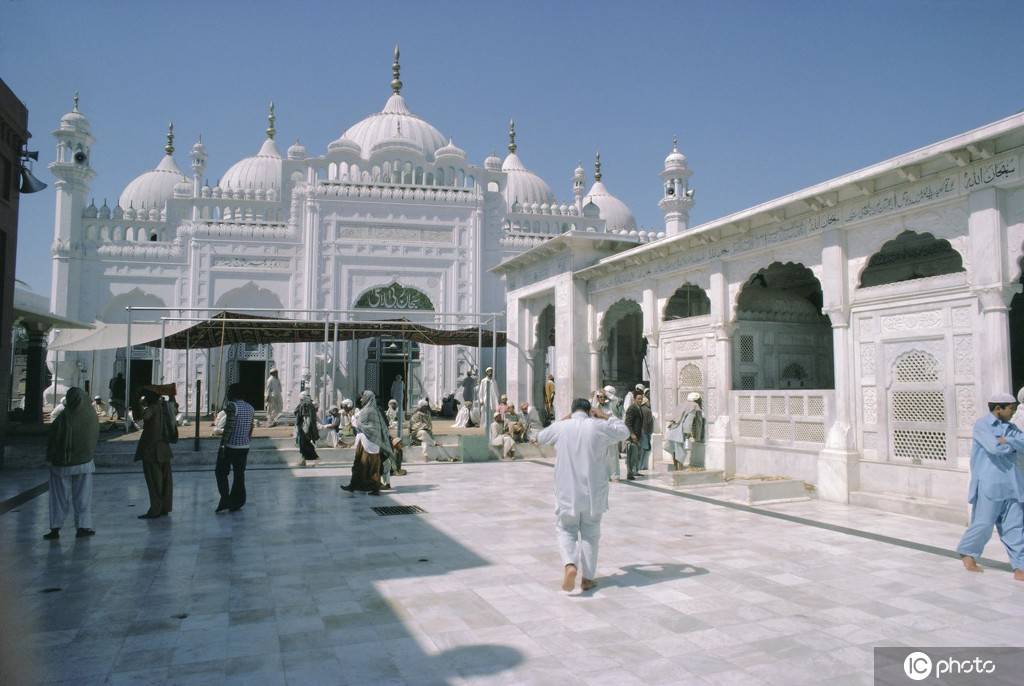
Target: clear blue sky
766,97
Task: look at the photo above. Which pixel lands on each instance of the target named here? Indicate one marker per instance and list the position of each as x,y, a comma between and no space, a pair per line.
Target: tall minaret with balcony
677,198
73,170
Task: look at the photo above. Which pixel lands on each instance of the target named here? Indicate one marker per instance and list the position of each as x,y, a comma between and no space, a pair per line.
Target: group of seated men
509,426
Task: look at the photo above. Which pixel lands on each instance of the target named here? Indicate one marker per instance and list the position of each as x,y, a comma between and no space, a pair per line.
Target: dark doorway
251,377
1017,339
142,375
388,371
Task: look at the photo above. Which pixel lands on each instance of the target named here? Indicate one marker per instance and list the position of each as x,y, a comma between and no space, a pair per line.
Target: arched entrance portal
543,354
1017,337
622,363
782,340
247,364
387,357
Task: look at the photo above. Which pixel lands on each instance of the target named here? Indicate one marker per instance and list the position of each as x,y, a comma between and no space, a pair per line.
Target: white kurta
581,466
487,393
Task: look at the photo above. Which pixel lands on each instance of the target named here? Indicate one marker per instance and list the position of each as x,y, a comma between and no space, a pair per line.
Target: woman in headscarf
72,442
374,453
306,430
686,435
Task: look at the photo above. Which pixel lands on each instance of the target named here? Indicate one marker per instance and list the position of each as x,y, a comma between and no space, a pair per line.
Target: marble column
721,449
992,282
838,470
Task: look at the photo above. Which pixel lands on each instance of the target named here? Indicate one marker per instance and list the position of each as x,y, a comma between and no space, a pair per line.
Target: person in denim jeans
234,450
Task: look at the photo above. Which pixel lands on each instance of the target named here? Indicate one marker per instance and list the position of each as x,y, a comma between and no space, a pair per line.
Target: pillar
992,282
838,471
721,449
35,366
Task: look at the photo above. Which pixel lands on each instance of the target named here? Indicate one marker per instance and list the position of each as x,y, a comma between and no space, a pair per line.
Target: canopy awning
105,336
226,328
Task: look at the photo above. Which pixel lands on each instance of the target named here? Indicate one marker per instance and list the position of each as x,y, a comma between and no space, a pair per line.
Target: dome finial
270,122
597,167
396,73
169,148
512,135
74,100
675,143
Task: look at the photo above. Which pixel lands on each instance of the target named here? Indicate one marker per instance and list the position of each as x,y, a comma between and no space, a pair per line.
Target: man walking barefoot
996,492
234,450
581,485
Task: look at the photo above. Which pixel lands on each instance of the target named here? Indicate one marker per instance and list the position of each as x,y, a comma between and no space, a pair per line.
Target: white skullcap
1002,399
609,389
489,369
640,387
422,403
96,397
693,397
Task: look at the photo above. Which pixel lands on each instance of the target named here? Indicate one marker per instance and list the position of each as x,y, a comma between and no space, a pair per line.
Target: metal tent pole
163,348
327,340
128,371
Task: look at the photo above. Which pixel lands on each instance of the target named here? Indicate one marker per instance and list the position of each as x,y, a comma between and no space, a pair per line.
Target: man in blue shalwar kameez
996,492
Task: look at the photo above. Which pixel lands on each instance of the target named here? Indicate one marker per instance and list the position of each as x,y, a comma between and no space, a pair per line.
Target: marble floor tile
307,585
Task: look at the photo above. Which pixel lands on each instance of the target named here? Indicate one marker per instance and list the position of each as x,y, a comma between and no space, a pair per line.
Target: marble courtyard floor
307,585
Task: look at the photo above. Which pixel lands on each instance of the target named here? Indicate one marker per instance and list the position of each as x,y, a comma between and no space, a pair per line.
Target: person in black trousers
234,450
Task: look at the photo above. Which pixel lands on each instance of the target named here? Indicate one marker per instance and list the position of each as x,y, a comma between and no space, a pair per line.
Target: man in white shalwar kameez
487,396
273,400
581,485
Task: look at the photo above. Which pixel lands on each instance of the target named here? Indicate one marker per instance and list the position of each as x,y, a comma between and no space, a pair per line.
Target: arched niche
624,345
116,313
251,295
911,255
782,340
688,301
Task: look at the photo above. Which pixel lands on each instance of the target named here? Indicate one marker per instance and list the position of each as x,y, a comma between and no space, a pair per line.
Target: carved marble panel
965,407
867,359
963,351
870,405
909,322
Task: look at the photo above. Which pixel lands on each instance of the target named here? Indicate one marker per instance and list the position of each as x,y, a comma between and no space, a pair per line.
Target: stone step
926,508
709,476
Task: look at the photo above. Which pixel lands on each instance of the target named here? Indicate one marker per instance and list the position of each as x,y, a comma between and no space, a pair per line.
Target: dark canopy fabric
221,330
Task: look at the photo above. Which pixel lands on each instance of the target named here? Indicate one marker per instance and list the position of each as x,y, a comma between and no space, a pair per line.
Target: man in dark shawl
374,451
155,453
305,427
72,442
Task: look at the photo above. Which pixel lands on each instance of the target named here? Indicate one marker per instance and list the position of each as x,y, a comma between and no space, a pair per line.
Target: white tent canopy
105,336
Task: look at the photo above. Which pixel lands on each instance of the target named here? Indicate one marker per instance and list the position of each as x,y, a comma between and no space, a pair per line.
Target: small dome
74,119
343,145
616,214
297,151
91,212
154,188
492,163
675,158
450,150
395,121
260,171
523,185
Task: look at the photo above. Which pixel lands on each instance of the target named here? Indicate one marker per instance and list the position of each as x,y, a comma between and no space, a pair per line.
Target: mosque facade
847,334
391,216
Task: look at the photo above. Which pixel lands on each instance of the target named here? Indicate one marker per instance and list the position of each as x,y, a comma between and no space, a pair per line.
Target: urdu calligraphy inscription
239,262
394,297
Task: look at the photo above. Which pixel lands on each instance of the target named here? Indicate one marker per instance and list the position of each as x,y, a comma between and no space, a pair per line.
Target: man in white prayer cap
421,427
996,491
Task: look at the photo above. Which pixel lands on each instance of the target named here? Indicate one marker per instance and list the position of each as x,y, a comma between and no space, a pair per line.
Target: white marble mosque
847,334
393,214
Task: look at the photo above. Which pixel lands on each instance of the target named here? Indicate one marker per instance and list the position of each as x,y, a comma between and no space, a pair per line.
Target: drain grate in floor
399,510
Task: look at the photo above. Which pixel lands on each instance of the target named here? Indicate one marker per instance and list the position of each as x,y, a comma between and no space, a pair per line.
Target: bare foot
970,564
569,580
1018,574
587,584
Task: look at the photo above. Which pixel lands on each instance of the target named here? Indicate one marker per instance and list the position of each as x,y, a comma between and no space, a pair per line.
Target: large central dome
394,127
394,124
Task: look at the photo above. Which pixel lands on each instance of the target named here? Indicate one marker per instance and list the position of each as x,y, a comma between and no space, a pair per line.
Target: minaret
73,170
199,157
579,183
678,196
